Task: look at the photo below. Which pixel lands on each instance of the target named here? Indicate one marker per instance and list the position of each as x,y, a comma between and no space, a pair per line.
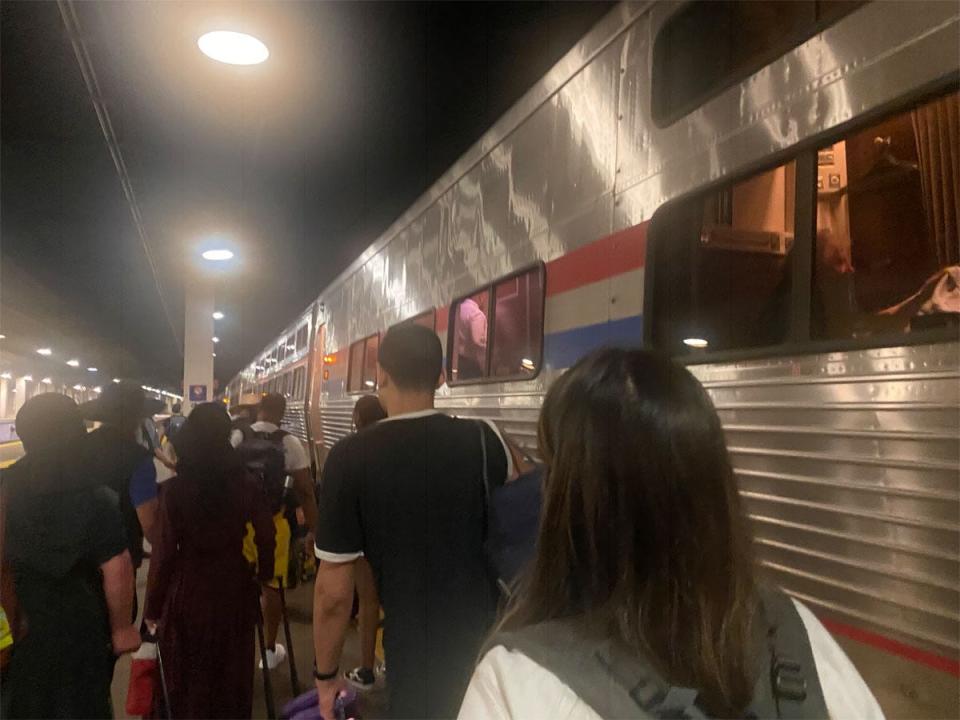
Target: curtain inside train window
887,250
721,265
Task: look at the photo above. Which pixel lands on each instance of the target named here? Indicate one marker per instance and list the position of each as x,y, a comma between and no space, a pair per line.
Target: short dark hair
176,408
273,404
368,411
412,356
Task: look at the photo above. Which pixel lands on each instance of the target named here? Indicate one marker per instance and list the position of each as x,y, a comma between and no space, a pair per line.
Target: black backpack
616,682
262,454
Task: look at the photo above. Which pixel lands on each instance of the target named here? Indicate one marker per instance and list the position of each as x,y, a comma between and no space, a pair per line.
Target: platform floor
905,689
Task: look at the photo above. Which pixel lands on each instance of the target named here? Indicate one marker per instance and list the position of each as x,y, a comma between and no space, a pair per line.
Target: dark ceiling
303,160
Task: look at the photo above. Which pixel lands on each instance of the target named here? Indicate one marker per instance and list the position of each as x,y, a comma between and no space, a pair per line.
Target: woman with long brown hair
644,579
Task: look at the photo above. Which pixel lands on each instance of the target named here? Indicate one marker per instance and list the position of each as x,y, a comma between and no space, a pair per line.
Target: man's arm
332,601
118,588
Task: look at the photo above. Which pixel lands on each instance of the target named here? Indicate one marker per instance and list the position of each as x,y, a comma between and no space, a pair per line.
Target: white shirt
294,456
507,685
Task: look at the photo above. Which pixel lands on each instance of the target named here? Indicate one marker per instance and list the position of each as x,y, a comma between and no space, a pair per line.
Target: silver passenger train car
769,192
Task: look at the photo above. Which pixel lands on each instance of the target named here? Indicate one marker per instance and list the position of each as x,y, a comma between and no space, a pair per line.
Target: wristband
325,676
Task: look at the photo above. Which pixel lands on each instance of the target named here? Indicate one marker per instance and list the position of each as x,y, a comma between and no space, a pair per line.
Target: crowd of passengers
613,578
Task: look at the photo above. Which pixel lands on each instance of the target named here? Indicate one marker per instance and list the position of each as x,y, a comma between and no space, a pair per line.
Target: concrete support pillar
198,341
4,398
21,397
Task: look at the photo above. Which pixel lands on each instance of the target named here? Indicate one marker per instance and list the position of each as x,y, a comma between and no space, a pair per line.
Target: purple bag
305,707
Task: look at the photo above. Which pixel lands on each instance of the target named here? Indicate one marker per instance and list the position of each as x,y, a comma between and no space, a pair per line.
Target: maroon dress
203,591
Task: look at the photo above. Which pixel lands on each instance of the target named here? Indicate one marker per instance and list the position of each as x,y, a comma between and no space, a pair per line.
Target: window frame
538,267
363,363
799,339
784,44
412,320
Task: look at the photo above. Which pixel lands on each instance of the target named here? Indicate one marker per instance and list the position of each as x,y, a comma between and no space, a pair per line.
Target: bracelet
325,676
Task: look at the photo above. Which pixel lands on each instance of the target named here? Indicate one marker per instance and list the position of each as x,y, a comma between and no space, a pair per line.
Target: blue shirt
143,483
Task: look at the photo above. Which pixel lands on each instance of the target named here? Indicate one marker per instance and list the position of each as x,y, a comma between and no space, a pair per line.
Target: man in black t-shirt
407,493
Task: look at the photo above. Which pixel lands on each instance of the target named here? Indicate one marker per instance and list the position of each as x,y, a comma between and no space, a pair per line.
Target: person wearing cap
64,544
118,451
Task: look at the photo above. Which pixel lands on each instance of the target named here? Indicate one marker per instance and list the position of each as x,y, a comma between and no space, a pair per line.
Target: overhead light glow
233,48
6,376
78,387
73,363
44,351
2,336
116,380
218,255
91,369
28,378
695,342
216,339
217,315
369,383
47,381
214,354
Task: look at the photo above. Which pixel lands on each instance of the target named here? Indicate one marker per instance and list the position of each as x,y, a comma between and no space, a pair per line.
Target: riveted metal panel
583,156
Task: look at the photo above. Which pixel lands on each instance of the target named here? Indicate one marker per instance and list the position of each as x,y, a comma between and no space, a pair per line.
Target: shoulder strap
790,686
277,435
483,451
613,680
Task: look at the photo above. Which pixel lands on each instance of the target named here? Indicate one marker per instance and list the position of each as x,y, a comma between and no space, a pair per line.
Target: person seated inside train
407,494
471,339
643,599
297,465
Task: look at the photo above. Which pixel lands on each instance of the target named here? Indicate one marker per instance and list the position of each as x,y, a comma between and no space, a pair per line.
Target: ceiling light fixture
215,339
27,378
47,381
2,336
73,363
6,376
217,315
116,380
217,255
695,342
233,48
45,351
91,369
78,387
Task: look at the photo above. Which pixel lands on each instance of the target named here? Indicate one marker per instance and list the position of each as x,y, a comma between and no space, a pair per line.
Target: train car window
362,371
497,332
298,385
370,363
518,326
721,266
887,253
291,345
709,45
355,369
302,335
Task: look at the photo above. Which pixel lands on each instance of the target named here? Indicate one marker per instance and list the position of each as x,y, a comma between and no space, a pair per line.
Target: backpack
262,454
617,682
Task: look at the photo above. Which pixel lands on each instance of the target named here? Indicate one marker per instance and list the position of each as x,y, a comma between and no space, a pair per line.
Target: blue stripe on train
563,349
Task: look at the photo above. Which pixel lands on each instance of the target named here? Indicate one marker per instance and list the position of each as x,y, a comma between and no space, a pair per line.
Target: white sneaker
275,657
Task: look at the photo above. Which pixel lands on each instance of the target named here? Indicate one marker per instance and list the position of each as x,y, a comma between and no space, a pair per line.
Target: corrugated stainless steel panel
849,466
336,420
295,420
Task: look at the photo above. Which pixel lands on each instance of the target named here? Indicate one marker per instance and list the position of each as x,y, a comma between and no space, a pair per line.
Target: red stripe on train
894,647
611,255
